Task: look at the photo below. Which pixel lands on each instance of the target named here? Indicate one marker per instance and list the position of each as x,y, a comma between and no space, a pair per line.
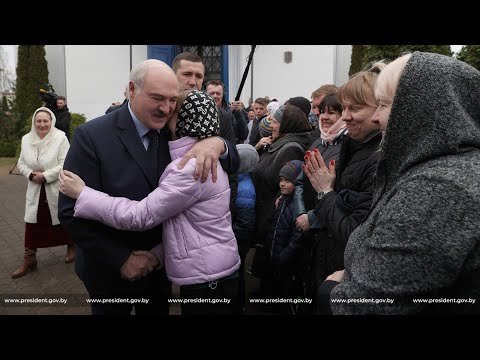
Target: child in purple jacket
199,250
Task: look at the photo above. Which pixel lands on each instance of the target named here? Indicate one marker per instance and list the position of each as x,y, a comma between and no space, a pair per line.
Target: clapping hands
321,177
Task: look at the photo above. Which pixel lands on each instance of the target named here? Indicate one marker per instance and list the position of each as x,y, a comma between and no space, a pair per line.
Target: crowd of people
363,199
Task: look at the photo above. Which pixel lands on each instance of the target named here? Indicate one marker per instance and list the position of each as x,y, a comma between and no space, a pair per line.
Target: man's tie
153,155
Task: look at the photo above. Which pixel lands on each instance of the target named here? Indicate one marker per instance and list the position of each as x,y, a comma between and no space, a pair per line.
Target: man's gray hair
137,75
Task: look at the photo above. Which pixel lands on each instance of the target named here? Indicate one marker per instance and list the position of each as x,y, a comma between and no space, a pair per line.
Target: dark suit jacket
108,154
226,126
227,132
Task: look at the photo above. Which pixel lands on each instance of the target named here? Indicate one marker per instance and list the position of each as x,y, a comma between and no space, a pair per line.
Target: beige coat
46,155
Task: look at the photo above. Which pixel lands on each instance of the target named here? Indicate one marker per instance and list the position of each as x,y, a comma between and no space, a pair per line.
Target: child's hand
71,184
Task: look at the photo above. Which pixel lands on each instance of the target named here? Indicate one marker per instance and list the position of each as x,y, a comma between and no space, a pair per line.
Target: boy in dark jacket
283,244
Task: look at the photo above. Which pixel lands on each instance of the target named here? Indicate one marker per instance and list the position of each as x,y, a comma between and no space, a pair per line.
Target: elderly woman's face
275,125
43,123
381,115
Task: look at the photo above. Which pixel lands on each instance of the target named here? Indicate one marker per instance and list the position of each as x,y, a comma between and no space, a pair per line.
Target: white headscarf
52,135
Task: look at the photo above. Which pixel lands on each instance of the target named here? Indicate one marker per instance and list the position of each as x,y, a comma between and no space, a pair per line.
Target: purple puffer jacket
198,242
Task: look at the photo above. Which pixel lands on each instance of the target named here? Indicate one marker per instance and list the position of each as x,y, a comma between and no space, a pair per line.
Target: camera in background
49,98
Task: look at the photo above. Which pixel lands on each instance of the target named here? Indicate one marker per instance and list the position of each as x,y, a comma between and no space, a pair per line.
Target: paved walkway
54,279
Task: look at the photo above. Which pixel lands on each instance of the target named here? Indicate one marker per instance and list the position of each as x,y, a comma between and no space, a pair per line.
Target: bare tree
7,78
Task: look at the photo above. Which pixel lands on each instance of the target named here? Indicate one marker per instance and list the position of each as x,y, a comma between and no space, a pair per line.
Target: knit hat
265,126
291,170
198,116
302,103
248,158
279,113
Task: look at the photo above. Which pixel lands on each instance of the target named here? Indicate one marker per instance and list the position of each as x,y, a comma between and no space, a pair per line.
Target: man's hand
207,152
71,184
137,266
302,222
153,259
236,105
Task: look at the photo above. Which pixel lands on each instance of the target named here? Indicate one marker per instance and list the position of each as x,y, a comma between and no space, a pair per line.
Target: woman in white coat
43,152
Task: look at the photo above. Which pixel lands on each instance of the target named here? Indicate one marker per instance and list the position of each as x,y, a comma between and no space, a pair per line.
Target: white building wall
94,76
235,71
55,55
311,67
97,75
139,54
344,59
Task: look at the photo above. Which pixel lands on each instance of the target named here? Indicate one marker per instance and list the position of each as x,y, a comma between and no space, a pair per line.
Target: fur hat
198,116
291,170
265,126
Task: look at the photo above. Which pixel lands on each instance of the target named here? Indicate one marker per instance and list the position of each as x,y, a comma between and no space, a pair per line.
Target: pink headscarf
333,132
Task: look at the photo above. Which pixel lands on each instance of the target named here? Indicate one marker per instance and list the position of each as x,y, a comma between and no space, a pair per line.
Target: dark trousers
242,286
119,296
211,298
243,249
281,284
322,299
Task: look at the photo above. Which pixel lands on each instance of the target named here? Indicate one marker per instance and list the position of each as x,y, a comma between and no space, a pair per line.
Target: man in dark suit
111,154
190,72
117,105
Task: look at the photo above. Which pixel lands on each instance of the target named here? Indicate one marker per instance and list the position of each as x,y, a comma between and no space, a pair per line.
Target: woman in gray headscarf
418,251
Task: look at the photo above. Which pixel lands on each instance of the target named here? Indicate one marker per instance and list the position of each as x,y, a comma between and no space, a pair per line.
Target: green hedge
77,120
8,148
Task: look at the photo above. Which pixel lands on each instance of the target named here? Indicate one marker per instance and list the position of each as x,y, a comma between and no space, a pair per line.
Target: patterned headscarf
198,116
